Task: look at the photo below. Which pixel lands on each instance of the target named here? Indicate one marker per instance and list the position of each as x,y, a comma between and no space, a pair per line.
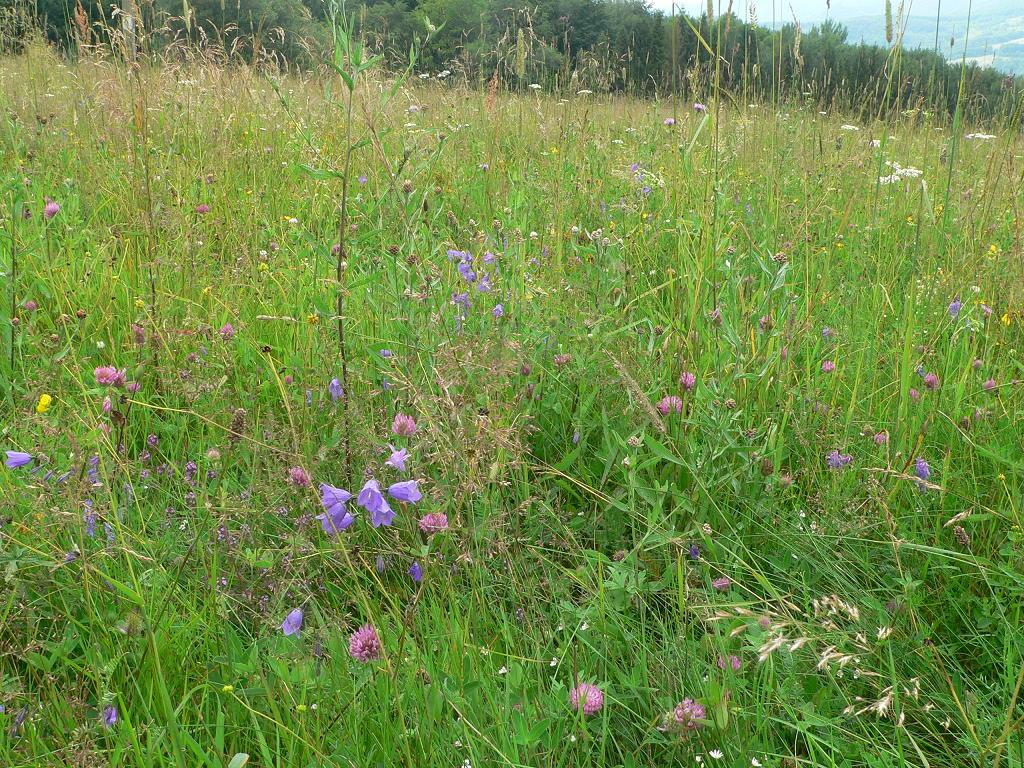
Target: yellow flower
993,249
1006,319
313,319
207,290
44,403
263,267
300,707
228,689
140,304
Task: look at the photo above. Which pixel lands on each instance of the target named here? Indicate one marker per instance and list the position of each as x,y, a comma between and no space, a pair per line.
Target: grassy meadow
716,414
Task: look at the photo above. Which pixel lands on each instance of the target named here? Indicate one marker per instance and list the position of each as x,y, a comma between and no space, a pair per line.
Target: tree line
619,46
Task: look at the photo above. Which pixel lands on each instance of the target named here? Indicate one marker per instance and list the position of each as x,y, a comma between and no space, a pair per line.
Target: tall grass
873,612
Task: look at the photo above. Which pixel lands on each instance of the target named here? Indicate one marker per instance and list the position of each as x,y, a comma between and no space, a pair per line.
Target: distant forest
565,45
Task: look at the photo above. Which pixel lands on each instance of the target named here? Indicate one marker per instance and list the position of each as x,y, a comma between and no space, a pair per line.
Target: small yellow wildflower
140,304
228,689
1007,320
44,403
264,267
207,291
313,319
300,707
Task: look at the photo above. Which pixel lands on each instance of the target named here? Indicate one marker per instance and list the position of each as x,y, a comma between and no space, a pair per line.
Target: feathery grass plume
638,396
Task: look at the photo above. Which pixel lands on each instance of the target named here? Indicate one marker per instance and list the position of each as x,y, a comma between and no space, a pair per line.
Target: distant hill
995,37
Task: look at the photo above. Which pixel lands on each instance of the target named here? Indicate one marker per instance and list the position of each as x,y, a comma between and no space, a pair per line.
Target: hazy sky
812,10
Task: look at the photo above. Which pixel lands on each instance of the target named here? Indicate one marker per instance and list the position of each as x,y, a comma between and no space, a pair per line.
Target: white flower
876,143
717,754
101,345
848,127
584,92
503,671
535,86
980,136
554,662
755,762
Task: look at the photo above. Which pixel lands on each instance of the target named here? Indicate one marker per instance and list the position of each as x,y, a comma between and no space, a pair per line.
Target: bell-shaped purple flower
407,490
292,623
17,459
335,390
336,516
397,458
373,501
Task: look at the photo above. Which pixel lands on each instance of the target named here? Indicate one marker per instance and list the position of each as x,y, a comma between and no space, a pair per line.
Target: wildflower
988,386
716,754
202,209
688,715
299,477
335,390
44,403
227,332
397,458
138,334
670,121
670,403
109,376
292,623
881,438
694,552
17,459
954,307
732,661
386,353
336,516
688,380
722,584
407,491
109,716
403,425
837,460
51,209
698,107
498,311
562,360
371,499
715,316
433,523
931,381
914,394
827,333
586,698
364,644
416,571
362,178
828,366
921,468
